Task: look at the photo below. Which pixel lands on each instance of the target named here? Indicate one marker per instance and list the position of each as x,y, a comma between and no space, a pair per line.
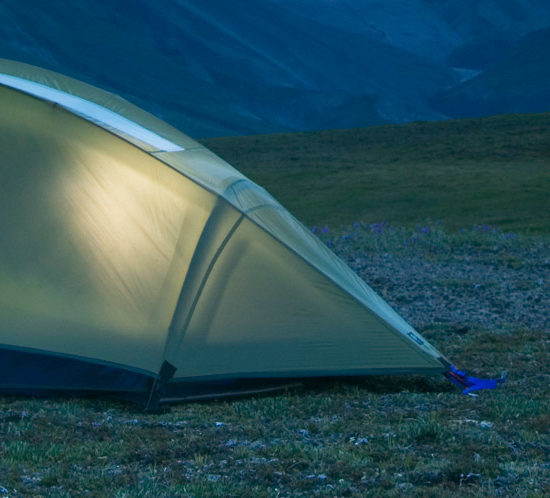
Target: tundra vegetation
450,223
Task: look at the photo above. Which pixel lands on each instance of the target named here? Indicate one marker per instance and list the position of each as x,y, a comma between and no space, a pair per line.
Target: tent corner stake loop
470,383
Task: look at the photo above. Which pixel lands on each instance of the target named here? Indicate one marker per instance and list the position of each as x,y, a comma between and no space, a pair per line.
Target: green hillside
493,171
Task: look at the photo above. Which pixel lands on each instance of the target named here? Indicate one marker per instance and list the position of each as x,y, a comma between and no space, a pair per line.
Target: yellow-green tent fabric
131,253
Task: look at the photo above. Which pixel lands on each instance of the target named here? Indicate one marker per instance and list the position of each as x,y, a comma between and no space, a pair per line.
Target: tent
135,261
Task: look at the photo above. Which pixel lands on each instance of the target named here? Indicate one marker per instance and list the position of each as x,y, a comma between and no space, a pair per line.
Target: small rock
258,445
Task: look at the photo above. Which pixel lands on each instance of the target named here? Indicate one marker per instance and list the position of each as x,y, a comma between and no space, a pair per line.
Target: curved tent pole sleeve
218,230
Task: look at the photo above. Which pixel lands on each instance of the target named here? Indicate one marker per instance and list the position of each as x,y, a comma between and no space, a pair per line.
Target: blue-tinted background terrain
235,67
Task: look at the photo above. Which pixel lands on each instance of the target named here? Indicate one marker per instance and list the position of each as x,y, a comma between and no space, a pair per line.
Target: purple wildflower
378,228
325,229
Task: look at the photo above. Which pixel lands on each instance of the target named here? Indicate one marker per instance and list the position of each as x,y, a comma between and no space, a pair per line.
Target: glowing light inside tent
92,111
127,229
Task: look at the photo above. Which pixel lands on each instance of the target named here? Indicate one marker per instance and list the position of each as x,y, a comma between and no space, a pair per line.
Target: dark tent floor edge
44,374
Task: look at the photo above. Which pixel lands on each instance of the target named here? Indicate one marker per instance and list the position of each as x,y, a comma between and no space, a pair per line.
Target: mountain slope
234,69
251,66
519,82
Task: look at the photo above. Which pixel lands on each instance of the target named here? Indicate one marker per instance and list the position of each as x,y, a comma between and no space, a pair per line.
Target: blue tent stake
462,379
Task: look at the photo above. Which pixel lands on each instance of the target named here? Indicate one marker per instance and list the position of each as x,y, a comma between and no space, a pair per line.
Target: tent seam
198,293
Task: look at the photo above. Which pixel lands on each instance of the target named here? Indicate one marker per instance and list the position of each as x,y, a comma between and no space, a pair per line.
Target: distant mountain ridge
518,82
216,68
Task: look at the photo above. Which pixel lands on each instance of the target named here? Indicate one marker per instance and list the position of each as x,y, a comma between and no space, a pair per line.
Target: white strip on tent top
92,111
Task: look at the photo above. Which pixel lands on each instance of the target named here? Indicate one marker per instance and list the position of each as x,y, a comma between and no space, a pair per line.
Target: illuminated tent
135,261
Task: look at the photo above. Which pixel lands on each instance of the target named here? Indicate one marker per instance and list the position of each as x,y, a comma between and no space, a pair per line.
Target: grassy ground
374,437
387,436
477,171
